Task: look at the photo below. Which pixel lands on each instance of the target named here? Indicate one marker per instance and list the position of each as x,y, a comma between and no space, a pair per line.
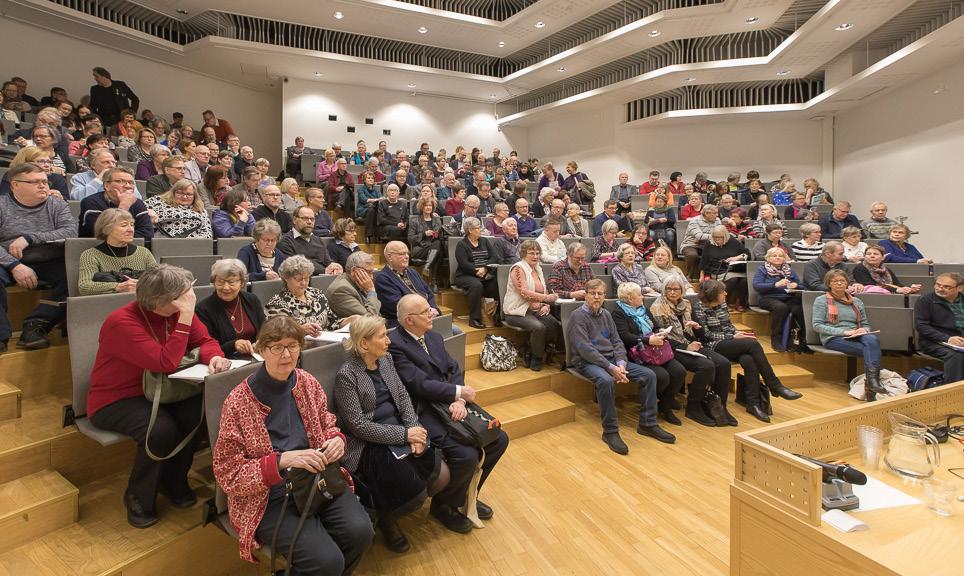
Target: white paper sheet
875,495
328,337
842,521
690,352
199,371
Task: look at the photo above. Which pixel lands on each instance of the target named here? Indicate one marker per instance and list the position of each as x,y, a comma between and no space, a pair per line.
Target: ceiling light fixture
181,11
501,44
317,74
752,20
339,15
540,24
783,72
844,26
422,30
561,68
691,79
411,85
492,96
939,90
654,33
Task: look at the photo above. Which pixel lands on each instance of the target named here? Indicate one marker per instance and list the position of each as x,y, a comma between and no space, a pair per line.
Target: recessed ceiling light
317,74
939,90
501,44
690,79
844,26
339,15
422,30
783,72
752,20
654,33
181,11
540,24
411,85
561,68
492,96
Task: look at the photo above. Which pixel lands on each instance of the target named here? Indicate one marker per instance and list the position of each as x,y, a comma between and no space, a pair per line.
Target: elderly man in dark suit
396,279
622,193
431,375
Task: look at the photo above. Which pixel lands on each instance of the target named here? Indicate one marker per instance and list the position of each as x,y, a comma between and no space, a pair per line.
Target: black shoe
526,358
497,323
675,405
699,416
536,364
615,443
395,539
777,346
451,518
34,335
872,385
758,413
656,432
476,324
136,515
484,510
803,349
671,418
729,419
3,346
784,392
186,500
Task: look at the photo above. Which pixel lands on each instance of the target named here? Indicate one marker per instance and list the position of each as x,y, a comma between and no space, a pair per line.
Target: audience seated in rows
297,430
661,269
396,279
214,185
854,247
569,276
118,191
552,249
180,212
153,164
262,258
766,215
315,199
724,259
871,272
878,225
604,246
352,293
773,239
698,231
475,260
841,321
117,263
301,242
779,289
832,224
249,184
392,217
808,247
574,225
897,250
272,209
172,170
938,319
623,223
56,183
232,315
831,258
306,304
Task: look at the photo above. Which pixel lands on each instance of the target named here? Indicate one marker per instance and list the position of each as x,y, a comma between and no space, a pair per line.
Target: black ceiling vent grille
795,91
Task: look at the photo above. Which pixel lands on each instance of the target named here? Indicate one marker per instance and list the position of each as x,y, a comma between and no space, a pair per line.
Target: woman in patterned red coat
278,419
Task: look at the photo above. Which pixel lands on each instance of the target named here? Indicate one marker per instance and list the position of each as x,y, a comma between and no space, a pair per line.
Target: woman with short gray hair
723,259
154,163
116,264
262,258
604,247
306,304
473,257
232,315
574,225
152,333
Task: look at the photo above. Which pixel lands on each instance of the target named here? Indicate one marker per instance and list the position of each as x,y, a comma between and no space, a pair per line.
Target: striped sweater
101,259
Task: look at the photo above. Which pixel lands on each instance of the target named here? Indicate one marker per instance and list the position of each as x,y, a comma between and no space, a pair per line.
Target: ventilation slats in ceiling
794,91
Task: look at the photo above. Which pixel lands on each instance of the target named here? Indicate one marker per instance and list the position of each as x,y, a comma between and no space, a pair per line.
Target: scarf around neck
833,314
673,316
880,274
638,315
784,270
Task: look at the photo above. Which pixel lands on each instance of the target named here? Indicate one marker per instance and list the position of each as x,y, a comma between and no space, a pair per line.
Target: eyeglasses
177,167
670,289
425,312
221,283
43,182
596,294
278,349
944,286
184,194
405,254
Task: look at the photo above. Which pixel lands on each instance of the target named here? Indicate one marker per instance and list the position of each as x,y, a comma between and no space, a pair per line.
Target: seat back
265,289
896,327
502,279
639,202
323,362
141,186
200,266
883,300
443,325
926,282
162,247
202,292
610,286
72,251
85,316
753,297
807,300
588,243
322,281
455,346
216,390
453,265
229,247
798,268
309,167
946,268
74,207
910,269
599,269
911,303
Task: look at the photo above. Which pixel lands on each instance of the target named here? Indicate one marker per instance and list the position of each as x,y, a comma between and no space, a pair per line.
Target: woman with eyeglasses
233,315
303,302
57,183
345,232
276,420
181,212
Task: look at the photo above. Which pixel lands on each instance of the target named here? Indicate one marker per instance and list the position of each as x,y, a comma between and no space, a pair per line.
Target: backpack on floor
924,378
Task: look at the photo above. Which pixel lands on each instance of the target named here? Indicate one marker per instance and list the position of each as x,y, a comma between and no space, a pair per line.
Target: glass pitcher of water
908,453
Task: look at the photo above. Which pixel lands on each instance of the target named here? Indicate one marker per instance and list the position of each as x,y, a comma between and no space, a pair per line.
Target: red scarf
833,314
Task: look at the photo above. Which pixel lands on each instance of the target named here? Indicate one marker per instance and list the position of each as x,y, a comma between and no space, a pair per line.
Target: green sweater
846,319
94,260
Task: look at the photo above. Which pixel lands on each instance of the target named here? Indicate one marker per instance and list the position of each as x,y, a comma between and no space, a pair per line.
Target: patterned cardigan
716,324
355,405
245,465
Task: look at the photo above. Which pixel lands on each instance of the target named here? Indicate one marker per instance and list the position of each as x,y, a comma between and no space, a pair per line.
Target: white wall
905,148
49,59
442,122
603,146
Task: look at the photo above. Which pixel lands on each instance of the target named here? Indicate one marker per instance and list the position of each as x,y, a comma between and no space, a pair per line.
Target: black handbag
119,276
713,406
478,428
765,403
312,493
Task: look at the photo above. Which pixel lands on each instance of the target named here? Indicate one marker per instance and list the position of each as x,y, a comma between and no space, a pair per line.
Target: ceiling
581,58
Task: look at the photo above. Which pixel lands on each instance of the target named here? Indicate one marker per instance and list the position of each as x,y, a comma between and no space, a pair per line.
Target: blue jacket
390,290
249,255
224,227
830,228
894,255
765,284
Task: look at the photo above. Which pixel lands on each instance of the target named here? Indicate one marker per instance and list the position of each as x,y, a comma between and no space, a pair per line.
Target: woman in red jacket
278,419
152,333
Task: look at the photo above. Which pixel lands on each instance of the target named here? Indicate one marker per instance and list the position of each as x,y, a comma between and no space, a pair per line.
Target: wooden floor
565,504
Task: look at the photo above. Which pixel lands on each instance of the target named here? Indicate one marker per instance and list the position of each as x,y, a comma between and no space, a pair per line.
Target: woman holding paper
722,337
232,315
779,289
152,333
841,321
388,449
306,304
710,370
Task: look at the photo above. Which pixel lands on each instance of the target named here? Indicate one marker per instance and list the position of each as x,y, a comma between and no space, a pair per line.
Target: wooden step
21,302
38,372
454,300
34,505
523,416
10,401
790,375
101,543
477,335
495,387
472,353
38,441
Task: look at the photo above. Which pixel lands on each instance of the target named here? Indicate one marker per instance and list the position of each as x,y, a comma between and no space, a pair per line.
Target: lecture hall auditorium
667,246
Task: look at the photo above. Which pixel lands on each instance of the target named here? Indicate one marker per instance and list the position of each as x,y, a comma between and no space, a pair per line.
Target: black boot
694,411
778,389
872,385
34,335
395,539
428,269
758,413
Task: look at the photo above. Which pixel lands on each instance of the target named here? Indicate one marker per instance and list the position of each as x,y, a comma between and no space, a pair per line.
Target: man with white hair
195,167
92,181
878,225
622,192
244,159
353,292
832,225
